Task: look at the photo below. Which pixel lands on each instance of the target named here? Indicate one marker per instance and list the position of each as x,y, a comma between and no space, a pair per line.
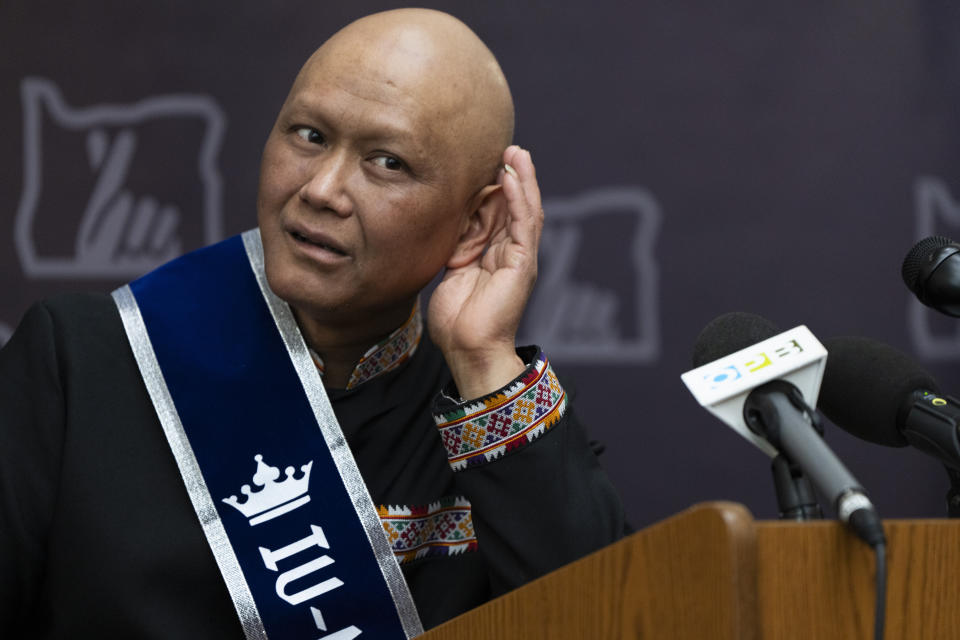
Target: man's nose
327,186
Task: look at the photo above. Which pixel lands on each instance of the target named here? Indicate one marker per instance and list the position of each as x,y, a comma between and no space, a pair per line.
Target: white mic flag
722,386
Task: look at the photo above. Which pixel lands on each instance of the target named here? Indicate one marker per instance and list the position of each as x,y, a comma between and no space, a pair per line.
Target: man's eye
389,162
310,135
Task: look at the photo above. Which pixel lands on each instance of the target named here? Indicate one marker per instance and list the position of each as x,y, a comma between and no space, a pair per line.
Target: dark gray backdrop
695,158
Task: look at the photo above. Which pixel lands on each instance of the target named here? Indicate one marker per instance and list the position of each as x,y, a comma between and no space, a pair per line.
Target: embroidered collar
386,355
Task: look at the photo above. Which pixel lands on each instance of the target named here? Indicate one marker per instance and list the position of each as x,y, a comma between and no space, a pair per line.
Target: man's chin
327,301
307,297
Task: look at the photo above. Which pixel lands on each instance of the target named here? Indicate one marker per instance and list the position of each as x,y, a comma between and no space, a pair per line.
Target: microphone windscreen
917,256
868,386
730,333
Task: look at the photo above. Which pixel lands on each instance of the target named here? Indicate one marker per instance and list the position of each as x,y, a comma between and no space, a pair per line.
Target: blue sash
287,515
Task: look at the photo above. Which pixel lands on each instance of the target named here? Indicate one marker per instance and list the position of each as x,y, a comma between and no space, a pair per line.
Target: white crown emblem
276,498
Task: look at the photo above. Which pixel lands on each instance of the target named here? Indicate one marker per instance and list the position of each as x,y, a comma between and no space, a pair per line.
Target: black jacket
98,537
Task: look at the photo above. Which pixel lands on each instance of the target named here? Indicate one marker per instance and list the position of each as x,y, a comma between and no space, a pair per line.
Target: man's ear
488,216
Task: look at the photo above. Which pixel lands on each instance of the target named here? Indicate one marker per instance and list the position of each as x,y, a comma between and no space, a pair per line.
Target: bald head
381,168
435,63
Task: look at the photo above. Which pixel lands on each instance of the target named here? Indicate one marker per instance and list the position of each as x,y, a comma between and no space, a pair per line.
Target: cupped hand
475,311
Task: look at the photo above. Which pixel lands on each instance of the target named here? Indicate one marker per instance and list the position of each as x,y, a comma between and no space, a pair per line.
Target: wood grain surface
712,572
690,576
816,580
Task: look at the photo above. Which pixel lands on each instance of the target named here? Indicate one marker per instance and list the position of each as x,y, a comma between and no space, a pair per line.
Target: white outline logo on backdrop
934,208
121,235
576,318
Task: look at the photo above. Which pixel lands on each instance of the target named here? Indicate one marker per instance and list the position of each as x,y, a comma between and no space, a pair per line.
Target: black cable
880,607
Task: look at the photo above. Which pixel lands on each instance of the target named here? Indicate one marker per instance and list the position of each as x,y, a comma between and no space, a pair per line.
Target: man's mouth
299,237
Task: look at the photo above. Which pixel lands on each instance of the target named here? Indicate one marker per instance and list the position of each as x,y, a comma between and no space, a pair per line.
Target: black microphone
883,396
729,333
777,412
931,271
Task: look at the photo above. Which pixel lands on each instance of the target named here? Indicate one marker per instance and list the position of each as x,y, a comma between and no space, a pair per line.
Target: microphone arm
933,426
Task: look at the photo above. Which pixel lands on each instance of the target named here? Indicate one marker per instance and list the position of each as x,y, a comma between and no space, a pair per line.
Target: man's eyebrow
385,129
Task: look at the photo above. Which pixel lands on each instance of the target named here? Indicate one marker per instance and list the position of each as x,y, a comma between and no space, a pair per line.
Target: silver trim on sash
339,450
187,463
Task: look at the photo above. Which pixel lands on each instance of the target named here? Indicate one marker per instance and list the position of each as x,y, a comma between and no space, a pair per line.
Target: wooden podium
714,572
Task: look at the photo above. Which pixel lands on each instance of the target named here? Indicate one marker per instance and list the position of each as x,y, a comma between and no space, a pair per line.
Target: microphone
729,333
883,396
764,389
931,271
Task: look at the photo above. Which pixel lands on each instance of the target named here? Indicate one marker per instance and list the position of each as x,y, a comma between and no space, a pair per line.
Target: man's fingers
523,219
525,173
523,197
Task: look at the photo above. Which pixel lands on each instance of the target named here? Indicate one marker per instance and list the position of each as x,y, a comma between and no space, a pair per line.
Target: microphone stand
796,499
953,495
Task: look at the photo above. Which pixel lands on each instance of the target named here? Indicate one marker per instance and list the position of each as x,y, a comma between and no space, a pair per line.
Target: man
125,423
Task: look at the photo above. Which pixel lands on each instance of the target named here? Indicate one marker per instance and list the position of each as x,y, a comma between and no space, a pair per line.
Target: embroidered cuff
481,430
443,528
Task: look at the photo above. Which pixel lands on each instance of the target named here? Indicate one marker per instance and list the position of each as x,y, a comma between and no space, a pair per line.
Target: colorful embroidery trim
479,432
443,528
396,349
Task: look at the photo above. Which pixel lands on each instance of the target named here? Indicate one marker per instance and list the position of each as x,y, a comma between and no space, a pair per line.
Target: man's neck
341,345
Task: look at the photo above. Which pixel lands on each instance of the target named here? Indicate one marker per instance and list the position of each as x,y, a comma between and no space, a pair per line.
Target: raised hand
475,311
